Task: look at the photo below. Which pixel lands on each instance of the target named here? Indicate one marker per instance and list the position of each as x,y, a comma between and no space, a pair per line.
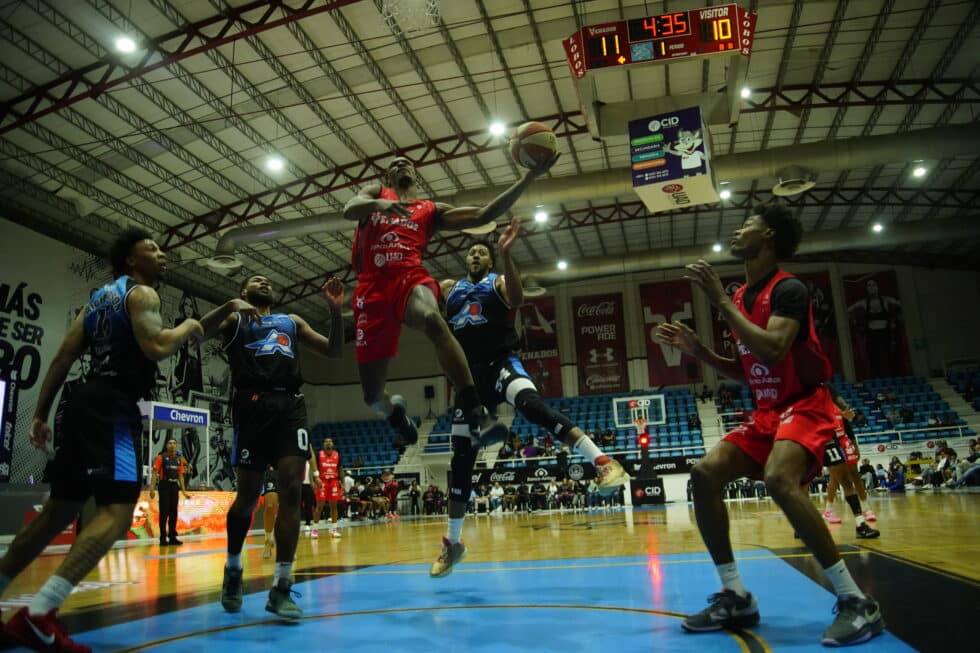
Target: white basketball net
410,16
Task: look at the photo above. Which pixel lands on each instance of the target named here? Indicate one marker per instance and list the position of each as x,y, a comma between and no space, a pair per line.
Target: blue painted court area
598,604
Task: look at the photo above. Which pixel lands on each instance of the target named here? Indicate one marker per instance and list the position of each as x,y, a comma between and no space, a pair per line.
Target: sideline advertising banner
538,332
661,302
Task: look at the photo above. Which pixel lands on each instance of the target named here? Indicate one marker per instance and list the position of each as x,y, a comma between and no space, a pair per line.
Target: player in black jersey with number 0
269,420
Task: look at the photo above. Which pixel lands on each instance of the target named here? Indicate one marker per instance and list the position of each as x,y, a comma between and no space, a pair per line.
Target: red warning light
644,440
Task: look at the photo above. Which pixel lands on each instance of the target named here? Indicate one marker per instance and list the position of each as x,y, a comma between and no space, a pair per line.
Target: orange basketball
533,144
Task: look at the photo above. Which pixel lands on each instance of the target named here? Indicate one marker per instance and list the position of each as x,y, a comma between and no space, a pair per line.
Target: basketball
533,144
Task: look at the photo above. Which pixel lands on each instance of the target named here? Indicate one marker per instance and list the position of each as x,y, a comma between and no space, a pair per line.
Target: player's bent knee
533,407
461,468
780,484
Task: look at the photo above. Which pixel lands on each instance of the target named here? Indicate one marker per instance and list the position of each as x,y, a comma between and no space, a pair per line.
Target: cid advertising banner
600,344
661,302
538,333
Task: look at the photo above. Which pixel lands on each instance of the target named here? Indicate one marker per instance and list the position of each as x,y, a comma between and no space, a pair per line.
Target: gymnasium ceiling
176,135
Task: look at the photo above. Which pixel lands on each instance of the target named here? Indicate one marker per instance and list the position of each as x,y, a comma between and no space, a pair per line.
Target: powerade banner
669,159
877,325
822,303
538,332
723,335
668,301
600,344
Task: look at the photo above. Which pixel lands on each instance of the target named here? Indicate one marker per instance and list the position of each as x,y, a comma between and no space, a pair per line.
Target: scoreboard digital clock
725,29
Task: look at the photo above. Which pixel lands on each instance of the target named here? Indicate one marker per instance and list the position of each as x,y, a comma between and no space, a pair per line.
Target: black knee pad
532,406
461,468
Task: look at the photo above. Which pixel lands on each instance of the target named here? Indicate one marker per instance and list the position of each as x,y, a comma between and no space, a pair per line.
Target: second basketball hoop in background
410,16
533,144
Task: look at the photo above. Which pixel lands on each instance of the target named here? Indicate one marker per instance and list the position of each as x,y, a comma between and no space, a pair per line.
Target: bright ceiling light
497,128
877,227
716,248
725,194
274,164
746,92
562,265
540,216
919,171
125,44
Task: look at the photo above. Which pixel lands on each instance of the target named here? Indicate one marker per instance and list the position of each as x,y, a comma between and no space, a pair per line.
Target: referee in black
168,475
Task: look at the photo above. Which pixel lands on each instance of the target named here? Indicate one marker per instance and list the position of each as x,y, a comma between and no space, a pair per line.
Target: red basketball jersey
387,241
803,368
329,464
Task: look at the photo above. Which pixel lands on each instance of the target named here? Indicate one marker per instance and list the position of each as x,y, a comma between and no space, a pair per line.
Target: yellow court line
738,635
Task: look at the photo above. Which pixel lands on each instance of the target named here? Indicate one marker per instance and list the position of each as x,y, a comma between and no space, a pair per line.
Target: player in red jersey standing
393,228
329,492
783,441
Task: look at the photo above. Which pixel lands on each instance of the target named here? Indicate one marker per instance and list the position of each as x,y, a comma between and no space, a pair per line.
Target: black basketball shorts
268,426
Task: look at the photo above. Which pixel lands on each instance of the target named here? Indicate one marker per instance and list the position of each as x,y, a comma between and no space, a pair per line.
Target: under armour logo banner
600,344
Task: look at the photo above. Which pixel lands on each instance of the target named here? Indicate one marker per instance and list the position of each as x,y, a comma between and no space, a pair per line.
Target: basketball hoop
410,16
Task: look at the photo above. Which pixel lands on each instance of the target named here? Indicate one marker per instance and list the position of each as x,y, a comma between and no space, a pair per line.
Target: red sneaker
44,633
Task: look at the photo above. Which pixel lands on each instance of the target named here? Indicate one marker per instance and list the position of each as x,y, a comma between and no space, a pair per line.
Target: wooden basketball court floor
599,581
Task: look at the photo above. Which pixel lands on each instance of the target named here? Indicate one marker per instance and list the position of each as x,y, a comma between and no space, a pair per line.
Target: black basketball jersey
116,356
481,320
264,355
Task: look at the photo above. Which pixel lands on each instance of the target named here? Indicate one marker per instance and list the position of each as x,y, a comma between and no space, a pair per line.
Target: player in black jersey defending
480,308
269,419
98,450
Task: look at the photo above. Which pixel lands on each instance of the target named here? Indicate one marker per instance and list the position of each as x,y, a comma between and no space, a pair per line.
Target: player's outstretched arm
682,337
465,217
510,285
367,201
223,316
771,344
69,351
156,342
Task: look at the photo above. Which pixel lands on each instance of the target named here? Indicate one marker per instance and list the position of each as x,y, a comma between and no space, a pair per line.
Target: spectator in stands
553,494
867,473
881,474
934,420
507,449
414,494
392,486
693,422
964,471
429,500
724,397
879,400
578,501
860,419
897,483
894,417
362,499
358,462
496,497
907,415
608,439
482,499
381,504
895,467
529,451
706,393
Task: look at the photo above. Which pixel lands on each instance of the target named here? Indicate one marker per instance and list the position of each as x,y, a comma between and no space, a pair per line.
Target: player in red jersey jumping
393,228
784,439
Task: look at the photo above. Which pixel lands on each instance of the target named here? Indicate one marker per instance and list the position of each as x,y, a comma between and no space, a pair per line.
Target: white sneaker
335,533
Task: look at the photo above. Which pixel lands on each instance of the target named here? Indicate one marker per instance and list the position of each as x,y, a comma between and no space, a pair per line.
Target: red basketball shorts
379,308
811,422
330,491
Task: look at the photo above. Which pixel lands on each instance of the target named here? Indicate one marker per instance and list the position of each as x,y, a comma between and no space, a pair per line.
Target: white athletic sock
731,579
5,582
858,519
50,596
283,570
455,533
587,448
234,561
840,578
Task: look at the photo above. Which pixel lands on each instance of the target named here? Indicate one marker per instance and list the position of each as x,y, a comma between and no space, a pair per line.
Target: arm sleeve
791,299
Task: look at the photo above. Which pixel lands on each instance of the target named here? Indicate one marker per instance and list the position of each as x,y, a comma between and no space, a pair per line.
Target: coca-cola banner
600,344
822,303
538,332
877,326
668,301
724,338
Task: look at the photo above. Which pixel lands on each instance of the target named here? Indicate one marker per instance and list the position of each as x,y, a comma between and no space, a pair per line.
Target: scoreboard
725,29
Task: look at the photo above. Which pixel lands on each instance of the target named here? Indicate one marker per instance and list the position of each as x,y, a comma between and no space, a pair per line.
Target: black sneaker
408,433
175,542
163,542
231,590
281,602
858,620
865,532
726,609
